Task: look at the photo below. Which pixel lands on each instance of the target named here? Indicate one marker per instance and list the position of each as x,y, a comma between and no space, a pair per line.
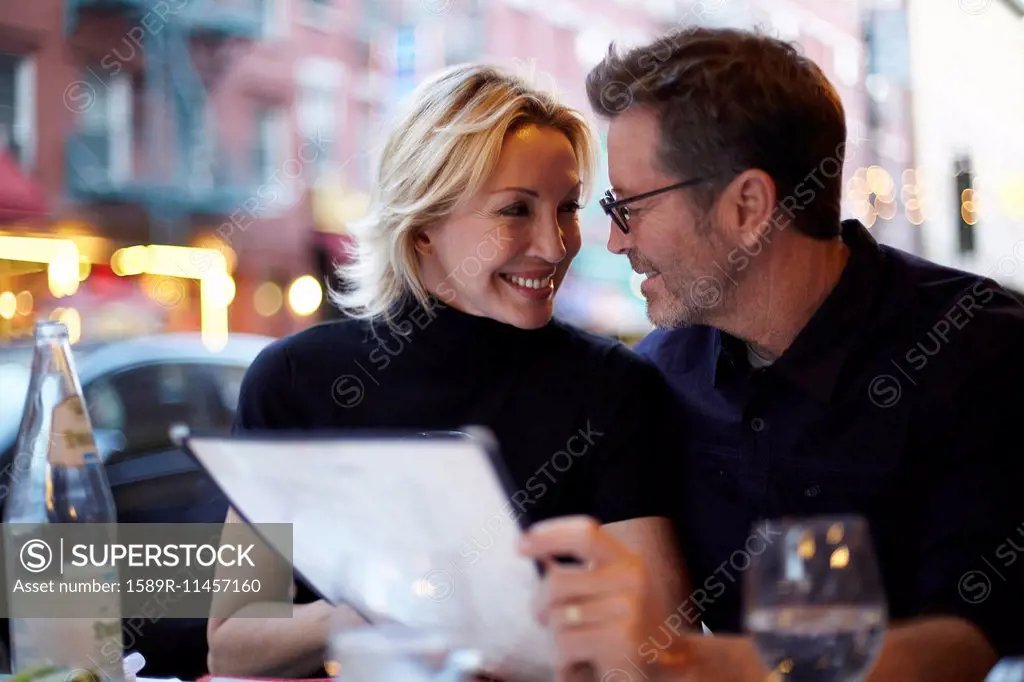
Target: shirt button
757,424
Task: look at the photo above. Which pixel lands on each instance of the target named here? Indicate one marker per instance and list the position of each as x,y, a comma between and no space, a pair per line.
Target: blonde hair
441,148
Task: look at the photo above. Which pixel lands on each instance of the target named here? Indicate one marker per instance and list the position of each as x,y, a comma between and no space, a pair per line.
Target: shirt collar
816,357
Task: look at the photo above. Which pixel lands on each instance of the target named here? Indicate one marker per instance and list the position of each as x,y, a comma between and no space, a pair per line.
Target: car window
229,381
135,409
106,411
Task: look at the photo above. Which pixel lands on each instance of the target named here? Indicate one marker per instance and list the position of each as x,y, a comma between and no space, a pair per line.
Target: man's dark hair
729,100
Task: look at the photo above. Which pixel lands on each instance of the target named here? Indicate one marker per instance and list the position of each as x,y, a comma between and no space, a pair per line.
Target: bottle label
71,439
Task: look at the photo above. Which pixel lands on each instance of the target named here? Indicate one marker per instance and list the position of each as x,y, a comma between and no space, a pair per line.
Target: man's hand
596,609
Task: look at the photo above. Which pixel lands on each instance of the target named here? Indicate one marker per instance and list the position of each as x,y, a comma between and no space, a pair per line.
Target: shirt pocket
854,468
816,490
725,457
716,460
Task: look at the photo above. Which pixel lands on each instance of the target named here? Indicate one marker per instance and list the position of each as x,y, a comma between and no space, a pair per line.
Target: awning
20,198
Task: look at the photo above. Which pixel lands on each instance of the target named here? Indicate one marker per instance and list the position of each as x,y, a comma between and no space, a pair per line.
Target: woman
473,225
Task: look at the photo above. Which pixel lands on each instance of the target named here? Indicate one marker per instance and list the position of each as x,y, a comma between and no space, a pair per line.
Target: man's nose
618,241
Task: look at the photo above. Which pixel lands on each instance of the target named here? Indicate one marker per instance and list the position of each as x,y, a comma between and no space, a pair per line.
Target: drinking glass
420,617
814,601
393,651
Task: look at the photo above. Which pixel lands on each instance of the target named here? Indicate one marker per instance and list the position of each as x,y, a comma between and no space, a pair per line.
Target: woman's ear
421,241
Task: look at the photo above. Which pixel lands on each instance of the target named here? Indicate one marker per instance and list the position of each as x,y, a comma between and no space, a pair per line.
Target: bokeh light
305,295
268,299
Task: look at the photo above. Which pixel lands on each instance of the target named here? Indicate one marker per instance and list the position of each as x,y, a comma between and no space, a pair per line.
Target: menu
403,529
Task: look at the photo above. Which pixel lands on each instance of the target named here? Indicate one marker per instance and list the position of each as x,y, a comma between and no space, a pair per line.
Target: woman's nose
548,242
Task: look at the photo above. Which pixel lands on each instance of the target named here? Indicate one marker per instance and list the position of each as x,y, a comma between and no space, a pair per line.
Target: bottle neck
64,422
48,332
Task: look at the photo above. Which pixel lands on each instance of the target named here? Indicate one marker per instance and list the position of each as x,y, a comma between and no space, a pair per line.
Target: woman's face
505,252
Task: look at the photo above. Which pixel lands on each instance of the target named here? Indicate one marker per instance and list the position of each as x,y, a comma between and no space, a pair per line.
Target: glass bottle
59,479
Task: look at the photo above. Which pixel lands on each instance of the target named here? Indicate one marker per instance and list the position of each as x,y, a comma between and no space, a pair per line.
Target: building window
17,107
271,149
320,108
105,122
205,167
318,126
274,18
318,13
966,209
270,127
367,146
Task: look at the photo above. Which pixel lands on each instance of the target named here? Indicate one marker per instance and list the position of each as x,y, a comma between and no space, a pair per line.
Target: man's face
671,241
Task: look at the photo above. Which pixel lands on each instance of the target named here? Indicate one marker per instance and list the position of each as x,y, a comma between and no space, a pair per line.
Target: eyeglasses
618,211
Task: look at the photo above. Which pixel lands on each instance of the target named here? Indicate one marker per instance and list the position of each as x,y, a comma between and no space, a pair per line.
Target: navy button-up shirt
898,401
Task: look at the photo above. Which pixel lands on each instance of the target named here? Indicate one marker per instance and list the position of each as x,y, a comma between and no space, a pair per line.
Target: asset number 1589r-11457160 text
211,585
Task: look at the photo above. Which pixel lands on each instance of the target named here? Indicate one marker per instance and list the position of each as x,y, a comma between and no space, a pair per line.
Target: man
818,372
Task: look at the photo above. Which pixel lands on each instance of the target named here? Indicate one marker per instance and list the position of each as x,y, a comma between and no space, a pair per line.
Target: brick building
248,127
186,123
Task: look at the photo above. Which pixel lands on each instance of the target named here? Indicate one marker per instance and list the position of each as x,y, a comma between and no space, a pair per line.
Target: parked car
135,391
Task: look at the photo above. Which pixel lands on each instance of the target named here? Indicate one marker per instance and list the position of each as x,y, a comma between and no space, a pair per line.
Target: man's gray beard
699,301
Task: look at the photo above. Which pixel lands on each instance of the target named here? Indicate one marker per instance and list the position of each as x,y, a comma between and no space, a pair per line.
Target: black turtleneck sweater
580,419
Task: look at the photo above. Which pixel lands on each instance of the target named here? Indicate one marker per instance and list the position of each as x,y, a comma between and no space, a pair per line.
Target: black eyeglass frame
610,204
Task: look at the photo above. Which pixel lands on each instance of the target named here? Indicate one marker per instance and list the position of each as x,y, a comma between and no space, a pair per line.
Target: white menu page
414,531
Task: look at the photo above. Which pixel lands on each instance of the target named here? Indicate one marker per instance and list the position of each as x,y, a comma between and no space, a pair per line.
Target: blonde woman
473,225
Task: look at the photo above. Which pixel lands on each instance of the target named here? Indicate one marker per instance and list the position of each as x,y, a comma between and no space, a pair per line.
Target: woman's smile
537,285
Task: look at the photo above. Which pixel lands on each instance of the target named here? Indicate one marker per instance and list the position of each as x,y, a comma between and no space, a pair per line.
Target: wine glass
814,601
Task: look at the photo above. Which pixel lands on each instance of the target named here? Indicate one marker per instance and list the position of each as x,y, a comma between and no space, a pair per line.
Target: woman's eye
520,209
514,211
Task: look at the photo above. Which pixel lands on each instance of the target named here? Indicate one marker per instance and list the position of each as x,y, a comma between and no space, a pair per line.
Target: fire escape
177,168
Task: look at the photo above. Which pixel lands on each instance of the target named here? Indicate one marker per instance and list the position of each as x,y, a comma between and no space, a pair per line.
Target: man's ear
751,205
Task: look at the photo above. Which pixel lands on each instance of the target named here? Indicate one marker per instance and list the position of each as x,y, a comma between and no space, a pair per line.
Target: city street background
191,165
